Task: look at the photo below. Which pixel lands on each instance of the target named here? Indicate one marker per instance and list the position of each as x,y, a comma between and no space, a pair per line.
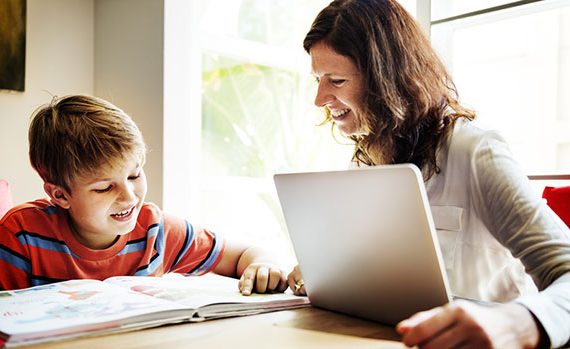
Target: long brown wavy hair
410,102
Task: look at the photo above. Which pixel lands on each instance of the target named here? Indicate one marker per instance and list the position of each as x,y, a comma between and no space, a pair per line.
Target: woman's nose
323,96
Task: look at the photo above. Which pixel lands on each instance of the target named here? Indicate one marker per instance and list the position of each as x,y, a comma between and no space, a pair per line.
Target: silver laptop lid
365,240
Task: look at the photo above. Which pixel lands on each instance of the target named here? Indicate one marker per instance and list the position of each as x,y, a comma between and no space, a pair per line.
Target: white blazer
499,239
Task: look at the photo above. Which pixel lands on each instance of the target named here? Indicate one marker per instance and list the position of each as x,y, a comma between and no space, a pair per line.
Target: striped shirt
38,247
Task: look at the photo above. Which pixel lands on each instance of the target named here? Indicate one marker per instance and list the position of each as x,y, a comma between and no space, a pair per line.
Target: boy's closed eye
110,186
103,190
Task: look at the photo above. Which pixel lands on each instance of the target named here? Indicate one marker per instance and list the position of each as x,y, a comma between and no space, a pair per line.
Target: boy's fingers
282,283
274,279
246,281
262,279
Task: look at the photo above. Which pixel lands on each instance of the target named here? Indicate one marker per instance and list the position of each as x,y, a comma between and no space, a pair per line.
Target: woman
382,85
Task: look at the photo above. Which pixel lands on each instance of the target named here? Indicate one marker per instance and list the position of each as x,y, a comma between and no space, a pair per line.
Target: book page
71,306
200,291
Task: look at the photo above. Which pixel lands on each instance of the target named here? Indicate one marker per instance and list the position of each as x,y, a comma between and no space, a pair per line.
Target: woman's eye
338,82
103,190
132,178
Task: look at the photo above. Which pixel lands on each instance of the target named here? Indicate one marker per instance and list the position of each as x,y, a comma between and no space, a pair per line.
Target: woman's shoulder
469,146
467,137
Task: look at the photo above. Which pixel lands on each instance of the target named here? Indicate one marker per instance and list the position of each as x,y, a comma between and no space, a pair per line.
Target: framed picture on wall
12,44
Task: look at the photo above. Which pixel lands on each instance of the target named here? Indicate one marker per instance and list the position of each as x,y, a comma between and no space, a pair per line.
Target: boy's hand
262,278
296,283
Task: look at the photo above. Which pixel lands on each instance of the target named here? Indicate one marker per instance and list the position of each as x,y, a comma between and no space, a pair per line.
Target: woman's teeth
337,113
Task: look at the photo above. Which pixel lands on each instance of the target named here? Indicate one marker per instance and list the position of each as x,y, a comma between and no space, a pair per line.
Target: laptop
365,241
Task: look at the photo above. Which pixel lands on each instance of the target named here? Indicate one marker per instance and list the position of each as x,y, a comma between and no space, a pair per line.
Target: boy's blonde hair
77,135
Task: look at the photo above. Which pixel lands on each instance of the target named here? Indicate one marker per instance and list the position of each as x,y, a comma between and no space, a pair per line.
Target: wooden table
299,328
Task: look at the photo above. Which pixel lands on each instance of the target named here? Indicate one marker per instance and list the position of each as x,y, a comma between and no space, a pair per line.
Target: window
442,9
251,99
257,115
250,113
512,66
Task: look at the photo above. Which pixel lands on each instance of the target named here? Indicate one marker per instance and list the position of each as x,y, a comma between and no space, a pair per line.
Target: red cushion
5,197
559,201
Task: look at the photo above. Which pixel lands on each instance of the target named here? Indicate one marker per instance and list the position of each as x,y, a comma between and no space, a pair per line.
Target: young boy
90,155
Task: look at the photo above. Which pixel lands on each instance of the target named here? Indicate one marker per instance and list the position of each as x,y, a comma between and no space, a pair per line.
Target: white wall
110,48
129,71
59,61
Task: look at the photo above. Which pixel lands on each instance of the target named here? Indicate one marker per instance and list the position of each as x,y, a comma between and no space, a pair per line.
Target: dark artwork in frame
12,44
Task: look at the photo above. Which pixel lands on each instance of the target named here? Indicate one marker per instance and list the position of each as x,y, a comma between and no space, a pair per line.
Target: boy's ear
57,194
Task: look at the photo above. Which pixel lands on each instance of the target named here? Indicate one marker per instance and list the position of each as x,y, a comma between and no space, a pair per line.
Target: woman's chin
350,131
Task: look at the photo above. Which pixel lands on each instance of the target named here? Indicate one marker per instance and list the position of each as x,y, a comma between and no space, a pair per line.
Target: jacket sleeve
518,218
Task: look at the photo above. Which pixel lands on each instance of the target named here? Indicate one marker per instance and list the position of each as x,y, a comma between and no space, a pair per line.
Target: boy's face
107,204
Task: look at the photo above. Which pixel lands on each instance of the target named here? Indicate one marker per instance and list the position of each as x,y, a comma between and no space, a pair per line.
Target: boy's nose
127,192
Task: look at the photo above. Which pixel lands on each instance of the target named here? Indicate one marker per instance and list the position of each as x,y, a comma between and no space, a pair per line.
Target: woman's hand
296,283
262,278
464,324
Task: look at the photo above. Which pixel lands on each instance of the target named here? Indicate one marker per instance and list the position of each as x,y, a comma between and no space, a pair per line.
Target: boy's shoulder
32,215
37,208
151,215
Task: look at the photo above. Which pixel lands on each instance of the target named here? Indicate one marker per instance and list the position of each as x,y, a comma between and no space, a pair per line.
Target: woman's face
340,87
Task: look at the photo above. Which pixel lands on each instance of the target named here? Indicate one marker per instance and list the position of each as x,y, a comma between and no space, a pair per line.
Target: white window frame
184,44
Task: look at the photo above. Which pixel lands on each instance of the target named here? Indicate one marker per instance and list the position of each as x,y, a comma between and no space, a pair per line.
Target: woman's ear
57,194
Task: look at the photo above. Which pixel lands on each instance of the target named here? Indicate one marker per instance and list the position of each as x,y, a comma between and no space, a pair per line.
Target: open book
77,308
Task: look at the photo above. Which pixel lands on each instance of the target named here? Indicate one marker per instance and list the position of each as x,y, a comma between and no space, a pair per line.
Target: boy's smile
106,204
124,215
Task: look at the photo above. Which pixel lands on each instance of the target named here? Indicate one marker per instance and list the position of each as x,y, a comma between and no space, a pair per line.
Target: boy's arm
257,270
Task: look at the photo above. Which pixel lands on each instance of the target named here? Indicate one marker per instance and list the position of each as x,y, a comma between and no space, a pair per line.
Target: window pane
275,22
258,116
257,121
514,70
448,8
